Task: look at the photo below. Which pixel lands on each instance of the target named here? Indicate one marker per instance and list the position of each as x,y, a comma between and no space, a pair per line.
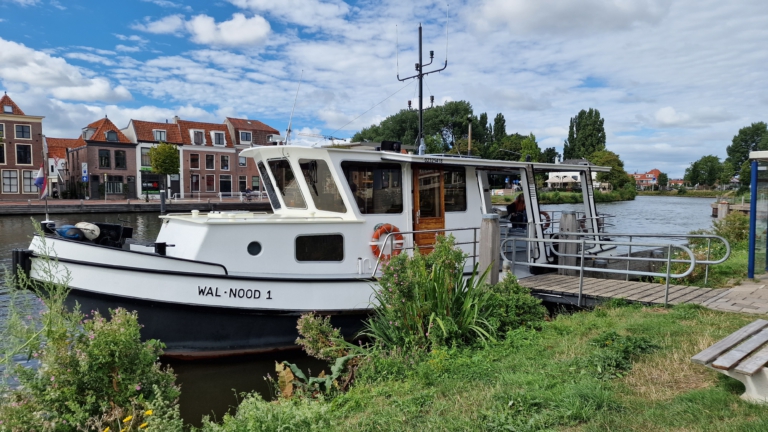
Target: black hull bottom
199,332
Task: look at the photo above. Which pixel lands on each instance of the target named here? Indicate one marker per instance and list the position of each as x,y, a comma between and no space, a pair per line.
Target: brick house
110,163
21,152
57,163
147,135
248,133
208,159
647,179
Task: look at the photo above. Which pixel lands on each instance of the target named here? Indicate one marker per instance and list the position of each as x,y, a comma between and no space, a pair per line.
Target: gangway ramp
564,289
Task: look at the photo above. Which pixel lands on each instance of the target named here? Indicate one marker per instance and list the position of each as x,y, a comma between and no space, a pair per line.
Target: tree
549,155
529,147
705,171
164,159
499,128
726,174
586,135
663,180
749,138
745,174
617,176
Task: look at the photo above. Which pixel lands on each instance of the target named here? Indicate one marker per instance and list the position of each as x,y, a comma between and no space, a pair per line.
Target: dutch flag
41,184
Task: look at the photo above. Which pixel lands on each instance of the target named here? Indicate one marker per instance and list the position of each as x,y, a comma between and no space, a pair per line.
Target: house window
210,183
120,162
104,158
322,188
287,183
195,183
455,189
255,183
10,181
2,153
28,182
23,154
242,161
145,160
242,183
194,161
23,131
7,109
197,137
159,135
2,130
377,187
322,247
225,163
218,138
210,162
225,184
111,136
245,137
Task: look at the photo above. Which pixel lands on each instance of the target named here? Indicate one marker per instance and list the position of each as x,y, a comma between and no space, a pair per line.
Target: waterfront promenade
70,206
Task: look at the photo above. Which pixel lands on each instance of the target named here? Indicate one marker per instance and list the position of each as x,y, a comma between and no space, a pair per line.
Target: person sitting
517,213
248,194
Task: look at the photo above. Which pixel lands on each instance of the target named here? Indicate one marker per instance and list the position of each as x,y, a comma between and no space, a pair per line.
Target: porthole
254,248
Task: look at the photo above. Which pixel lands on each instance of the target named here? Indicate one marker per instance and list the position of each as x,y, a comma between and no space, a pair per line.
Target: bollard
162,202
568,223
489,247
722,209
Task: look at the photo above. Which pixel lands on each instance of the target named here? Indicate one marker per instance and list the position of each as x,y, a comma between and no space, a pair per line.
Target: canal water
212,387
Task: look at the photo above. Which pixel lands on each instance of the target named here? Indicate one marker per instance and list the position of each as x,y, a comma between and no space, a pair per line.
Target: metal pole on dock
581,271
752,221
669,272
162,202
489,247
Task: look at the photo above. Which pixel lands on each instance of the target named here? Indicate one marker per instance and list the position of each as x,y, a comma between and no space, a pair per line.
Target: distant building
21,152
676,182
648,179
57,163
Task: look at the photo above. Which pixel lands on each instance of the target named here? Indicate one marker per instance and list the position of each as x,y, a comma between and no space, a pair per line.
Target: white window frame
31,155
221,177
7,109
106,136
2,181
192,136
244,178
242,141
198,161
32,188
22,124
141,157
191,178
206,182
242,161
165,135
221,162
2,130
214,162
223,139
4,146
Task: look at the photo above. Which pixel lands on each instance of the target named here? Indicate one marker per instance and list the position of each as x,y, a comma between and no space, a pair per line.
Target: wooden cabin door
428,205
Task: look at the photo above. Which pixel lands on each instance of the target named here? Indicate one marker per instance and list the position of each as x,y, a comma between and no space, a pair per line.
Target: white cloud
57,5
238,31
97,50
169,4
45,73
569,17
126,48
25,2
172,24
131,38
93,58
309,13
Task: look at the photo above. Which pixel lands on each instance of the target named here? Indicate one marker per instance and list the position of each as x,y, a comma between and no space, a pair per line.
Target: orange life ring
546,224
382,231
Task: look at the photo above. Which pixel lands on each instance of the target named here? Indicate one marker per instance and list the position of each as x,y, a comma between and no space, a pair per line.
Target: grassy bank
570,197
688,193
564,377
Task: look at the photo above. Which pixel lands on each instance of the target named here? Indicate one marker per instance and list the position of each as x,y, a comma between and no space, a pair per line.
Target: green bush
255,414
512,306
734,227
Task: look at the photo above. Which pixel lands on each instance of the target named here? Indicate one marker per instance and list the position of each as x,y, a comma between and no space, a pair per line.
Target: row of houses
108,161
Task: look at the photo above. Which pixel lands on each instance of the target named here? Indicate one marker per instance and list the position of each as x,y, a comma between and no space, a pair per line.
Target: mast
420,76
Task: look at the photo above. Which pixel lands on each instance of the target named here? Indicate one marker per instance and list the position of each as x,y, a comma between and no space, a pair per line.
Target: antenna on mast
290,119
420,76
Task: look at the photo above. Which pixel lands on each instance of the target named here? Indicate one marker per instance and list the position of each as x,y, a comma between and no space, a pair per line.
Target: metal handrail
668,275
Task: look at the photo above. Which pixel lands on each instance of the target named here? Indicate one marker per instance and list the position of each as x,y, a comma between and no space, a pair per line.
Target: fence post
581,271
706,267
568,223
162,202
669,271
489,247
629,255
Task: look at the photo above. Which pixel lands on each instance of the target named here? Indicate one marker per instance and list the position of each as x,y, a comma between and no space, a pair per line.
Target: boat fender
70,232
381,230
548,219
90,230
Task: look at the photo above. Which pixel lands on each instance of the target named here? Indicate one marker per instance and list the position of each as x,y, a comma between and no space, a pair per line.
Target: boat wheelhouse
221,283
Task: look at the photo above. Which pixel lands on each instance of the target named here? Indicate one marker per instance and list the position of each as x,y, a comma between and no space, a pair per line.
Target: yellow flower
148,412
123,429
127,419
107,429
143,425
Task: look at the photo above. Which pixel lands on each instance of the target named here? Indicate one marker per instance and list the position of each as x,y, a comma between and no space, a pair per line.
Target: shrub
255,414
511,306
734,227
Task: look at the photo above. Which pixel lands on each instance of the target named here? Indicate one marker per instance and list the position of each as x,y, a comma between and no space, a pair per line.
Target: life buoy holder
546,224
381,231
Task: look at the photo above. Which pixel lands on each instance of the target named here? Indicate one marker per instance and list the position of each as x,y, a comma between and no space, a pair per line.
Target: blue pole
752,221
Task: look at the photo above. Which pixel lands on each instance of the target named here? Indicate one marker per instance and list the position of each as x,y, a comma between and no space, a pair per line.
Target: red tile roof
102,127
252,125
57,147
185,126
144,131
6,100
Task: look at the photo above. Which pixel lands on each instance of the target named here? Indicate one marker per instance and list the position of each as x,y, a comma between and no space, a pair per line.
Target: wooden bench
742,355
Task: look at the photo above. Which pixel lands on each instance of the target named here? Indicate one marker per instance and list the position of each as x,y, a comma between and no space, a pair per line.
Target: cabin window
455,189
254,248
268,186
376,187
287,183
322,187
320,247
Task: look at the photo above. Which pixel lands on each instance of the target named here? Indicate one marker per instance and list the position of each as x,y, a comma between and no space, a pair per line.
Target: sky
674,79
